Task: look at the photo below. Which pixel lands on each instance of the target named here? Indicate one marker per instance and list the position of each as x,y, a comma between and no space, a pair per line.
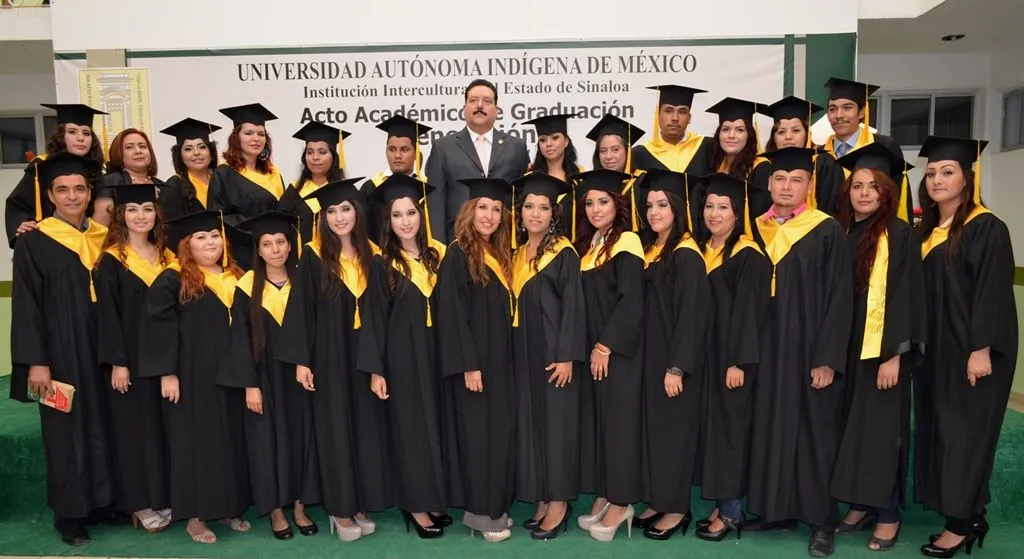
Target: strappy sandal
236,524
878,544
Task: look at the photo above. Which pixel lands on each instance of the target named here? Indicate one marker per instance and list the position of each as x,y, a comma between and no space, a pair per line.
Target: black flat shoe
706,534
76,536
309,529
443,520
645,523
932,550
563,527
762,525
823,543
424,532
654,533
863,524
285,534
532,523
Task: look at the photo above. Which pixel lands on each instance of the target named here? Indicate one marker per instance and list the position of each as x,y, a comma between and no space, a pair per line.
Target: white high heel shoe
366,527
603,533
345,533
587,520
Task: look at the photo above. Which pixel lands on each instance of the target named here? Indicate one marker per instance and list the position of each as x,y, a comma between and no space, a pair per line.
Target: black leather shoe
309,529
654,533
285,534
932,550
443,520
532,523
424,532
645,523
76,536
762,525
563,527
823,543
706,534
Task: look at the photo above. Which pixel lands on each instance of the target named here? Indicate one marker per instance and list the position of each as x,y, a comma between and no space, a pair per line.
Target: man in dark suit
847,101
478,150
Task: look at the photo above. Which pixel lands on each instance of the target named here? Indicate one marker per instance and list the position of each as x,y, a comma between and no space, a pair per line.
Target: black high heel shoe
532,523
645,523
981,530
424,532
283,534
730,525
932,550
563,527
654,533
863,524
443,520
309,529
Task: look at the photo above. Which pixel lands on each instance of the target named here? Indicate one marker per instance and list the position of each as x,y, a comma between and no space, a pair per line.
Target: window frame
886,98
39,128
1016,92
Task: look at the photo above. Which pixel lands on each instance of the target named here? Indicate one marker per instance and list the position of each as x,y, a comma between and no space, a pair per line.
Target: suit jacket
453,158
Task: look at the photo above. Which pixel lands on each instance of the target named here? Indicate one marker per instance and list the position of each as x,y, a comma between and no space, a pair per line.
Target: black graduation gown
138,426
676,318
611,410
173,201
397,344
760,198
970,306
698,166
350,422
293,204
241,198
209,478
873,454
54,324
796,428
474,325
551,329
21,203
105,185
828,183
740,289
280,443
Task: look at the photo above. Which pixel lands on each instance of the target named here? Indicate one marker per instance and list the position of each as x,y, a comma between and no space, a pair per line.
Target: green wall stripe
5,288
828,56
1018,276
788,57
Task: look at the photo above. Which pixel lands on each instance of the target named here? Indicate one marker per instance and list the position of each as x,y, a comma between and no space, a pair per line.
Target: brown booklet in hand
61,398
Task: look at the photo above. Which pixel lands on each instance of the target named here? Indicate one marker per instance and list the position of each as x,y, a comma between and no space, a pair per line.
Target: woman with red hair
185,328
886,345
132,161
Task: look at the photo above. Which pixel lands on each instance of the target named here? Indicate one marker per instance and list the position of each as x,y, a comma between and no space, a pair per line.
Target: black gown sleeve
622,334
111,348
828,183
239,369
571,342
990,262
458,349
833,340
28,319
158,331
751,294
21,203
437,175
373,340
903,333
757,188
691,298
298,333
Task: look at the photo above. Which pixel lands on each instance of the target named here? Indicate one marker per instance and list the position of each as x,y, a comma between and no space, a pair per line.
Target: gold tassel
430,323
39,199
864,137
686,193
515,314
224,237
92,288
356,322
747,228
106,139
656,137
757,132
298,234
977,178
316,228
341,150
515,242
812,194
573,232
901,211
809,143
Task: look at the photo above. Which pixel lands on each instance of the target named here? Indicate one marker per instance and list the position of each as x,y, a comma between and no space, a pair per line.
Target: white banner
357,90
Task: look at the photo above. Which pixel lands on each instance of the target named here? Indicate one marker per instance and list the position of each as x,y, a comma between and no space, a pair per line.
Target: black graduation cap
74,113
315,131
964,150
675,94
541,184
600,179
402,127
269,223
552,124
731,108
875,156
792,159
858,92
190,129
253,113
488,187
203,220
134,193
400,185
334,193
63,164
791,107
665,180
722,184
614,125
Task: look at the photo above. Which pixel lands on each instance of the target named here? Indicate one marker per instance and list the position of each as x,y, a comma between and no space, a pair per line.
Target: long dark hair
585,234
930,212
391,249
550,237
864,254
118,235
744,160
330,250
55,144
734,236
334,173
597,149
770,145
259,282
570,166
679,230
181,169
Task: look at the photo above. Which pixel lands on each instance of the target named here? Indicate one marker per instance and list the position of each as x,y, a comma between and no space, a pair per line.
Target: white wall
184,24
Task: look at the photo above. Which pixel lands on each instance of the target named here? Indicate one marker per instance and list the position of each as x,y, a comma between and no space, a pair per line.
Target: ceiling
988,26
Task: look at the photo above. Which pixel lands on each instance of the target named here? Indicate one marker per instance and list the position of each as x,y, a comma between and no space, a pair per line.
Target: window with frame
912,118
1013,120
18,140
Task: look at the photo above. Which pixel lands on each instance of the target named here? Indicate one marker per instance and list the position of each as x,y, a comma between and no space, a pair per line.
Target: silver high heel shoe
345,533
587,520
603,533
366,527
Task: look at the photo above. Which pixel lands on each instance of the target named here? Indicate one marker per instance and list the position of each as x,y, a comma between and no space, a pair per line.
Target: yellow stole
940,235
676,157
222,285
420,277
274,300
523,272
271,183
88,244
491,262
779,239
139,266
352,276
39,191
306,189
874,321
202,188
628,242
713,258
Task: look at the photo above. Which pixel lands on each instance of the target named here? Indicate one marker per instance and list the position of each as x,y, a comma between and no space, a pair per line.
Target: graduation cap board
552,124
269,223
253,113
74,113
615,126
676,95
135,193
334,193
190,129
64,164
314,131
876,157
792,159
